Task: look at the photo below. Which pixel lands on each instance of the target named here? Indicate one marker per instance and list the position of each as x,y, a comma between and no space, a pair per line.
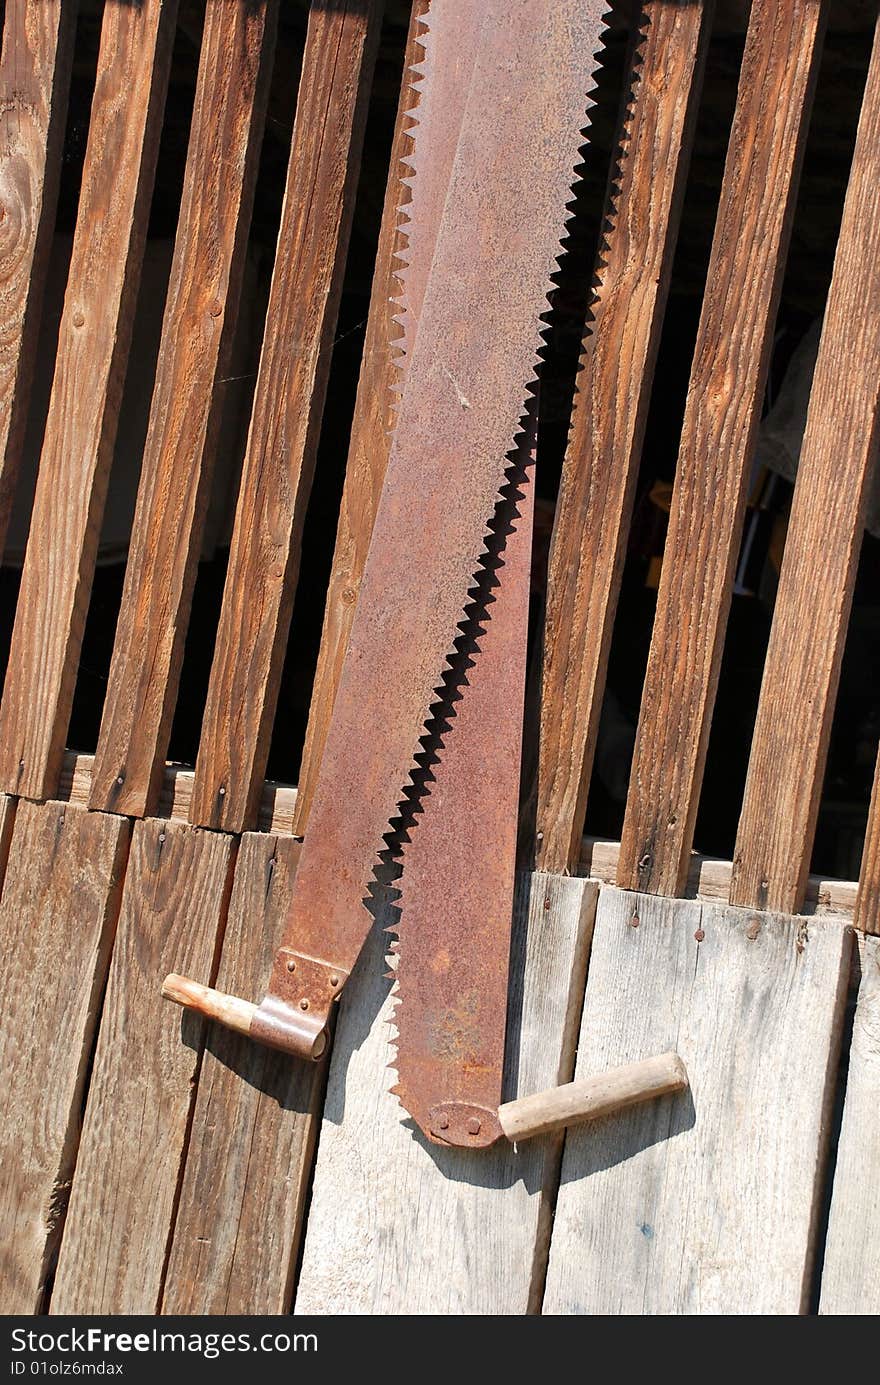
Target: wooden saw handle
593,1097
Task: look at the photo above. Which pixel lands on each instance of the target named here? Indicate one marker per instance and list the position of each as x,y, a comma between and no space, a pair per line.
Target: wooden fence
149,1165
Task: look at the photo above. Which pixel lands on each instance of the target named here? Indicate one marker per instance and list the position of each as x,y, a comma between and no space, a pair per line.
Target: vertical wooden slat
608,421
723,407
141,1092
790,745
57,919
34,82
288,405
867,909
93,343
239,1218
197,333
369,443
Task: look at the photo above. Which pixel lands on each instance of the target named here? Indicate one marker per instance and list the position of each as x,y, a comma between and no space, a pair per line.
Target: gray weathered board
400,1226
851,1268
703,1203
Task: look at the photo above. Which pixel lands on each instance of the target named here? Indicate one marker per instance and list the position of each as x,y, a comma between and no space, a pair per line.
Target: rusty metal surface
471,366
456,900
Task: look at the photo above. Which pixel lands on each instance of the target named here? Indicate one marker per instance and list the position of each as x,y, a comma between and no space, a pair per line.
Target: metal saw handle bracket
293,1014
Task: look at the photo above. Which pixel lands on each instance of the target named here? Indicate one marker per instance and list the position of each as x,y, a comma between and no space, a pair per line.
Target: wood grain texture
57,918
288,406
34,83
369,441
724,400
93,343
608,420
851,1267
142,1088
801,673
249,1159
200,316
399,1226
704,1203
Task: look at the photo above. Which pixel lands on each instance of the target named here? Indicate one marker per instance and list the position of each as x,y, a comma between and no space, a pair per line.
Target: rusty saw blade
456,891
471,366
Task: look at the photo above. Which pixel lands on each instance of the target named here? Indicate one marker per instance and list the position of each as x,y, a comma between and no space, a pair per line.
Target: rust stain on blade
458,867
472,365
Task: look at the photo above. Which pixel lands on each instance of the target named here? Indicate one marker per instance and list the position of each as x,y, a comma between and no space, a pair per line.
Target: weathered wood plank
370,438
57,918
801,673
142,1087
200,316
93,343
288,407
397,1225
723,406
851,1268
34,83
249,1159
705,1202
608,420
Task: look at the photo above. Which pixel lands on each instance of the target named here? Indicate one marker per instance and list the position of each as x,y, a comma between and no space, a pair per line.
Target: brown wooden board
57,918
608,421
370,438
249,1159
288,406
793,724
34,82
724,400
142,1087
83,413
706,1202
200,316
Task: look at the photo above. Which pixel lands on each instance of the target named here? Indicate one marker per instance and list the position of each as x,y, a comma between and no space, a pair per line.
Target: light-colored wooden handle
593,1097
214,1005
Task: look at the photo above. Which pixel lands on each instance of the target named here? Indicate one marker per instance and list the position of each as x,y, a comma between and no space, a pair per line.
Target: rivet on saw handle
294,1012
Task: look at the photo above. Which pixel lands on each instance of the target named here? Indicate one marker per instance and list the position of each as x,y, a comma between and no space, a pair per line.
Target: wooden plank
141,1093
277,801
34,82
709,879
249,1160
399,1226
57,918
801,673
370,438
704,1203
200,316
288,405
851,1267
725,396
608,420
93,343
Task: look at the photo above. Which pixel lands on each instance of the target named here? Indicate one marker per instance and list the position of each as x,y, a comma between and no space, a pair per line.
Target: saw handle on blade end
229,1010
593,1097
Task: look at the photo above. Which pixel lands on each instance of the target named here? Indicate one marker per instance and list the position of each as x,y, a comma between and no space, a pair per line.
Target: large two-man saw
423,749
